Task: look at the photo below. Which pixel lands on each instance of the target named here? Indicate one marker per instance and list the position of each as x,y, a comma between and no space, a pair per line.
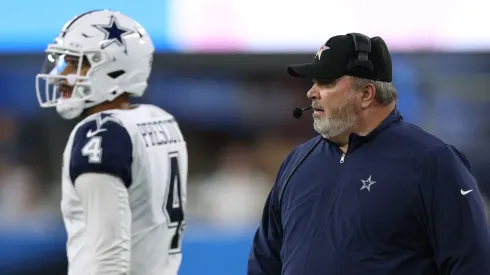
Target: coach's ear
368,93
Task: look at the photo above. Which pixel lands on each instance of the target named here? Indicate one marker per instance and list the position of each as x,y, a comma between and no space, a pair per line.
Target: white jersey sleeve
108,223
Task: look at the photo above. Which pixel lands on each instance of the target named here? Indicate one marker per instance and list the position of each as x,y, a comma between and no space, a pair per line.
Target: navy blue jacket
400,201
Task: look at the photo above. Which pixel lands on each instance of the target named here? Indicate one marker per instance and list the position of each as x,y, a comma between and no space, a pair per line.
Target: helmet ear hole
116,74
96,58
86,91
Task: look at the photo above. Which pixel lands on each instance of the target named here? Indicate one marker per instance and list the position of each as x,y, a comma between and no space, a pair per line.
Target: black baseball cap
334,59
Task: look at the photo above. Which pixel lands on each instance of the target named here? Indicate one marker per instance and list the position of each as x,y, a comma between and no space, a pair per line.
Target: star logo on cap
320,51
114,33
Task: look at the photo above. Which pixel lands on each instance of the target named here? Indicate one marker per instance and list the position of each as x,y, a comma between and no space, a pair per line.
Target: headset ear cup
361,65
362,44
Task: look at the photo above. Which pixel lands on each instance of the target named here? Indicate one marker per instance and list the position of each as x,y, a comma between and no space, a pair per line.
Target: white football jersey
145,148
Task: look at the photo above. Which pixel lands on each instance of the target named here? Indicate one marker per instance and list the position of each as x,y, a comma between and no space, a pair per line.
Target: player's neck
121,103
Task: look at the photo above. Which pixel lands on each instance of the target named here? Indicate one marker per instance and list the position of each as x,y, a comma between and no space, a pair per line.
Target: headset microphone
298,112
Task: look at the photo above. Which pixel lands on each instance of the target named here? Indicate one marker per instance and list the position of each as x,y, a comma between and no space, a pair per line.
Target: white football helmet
119,52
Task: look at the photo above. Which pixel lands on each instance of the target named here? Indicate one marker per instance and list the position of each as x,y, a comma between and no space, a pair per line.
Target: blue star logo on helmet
114,33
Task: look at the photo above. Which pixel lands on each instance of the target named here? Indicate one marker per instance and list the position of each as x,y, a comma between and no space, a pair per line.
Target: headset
362,44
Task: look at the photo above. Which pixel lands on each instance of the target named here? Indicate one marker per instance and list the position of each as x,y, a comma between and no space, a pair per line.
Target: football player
124,172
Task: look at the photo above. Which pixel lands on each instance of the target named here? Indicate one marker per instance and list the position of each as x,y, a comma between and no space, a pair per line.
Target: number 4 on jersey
173,207
93,150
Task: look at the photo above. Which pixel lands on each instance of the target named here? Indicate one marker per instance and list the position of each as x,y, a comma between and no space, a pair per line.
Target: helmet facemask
66,80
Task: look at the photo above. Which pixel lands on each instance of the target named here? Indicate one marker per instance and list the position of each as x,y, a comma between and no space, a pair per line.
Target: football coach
371,194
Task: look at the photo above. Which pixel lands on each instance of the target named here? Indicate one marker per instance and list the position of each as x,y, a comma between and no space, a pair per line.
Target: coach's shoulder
303,148
297,154
424,146
307,145
417,139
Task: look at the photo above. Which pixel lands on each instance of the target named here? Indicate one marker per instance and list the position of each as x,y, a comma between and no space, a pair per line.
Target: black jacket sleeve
265,253
454,213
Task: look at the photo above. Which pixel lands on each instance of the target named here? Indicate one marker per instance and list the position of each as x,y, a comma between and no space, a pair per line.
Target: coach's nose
312,92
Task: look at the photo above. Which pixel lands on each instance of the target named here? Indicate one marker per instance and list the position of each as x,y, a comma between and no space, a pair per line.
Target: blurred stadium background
220,68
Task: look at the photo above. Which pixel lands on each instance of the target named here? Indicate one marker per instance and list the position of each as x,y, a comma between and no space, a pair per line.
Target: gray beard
333,127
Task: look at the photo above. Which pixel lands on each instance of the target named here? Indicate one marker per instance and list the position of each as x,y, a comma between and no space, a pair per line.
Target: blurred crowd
239,128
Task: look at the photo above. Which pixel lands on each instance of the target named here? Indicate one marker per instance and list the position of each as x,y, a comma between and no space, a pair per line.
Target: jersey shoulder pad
102,145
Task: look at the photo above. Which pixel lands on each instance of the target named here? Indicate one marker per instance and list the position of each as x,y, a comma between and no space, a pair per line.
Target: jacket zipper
342,159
